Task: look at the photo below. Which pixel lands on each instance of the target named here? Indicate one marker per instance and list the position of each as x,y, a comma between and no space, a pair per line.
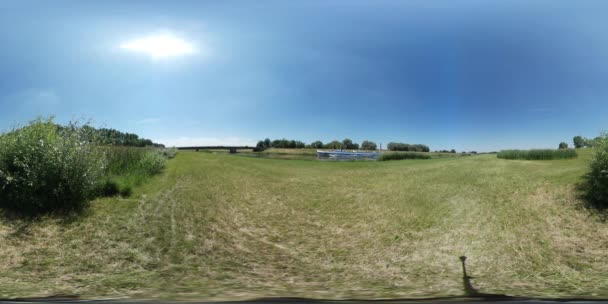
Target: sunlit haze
158,46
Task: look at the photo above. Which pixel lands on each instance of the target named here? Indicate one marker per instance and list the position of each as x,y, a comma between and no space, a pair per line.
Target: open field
221,226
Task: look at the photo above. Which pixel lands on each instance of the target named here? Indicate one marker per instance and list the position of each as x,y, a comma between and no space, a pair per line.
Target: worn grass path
222,226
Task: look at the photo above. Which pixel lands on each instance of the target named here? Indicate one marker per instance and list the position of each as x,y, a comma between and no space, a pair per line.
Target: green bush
170,152
152,162
400,156
598,177
44,167
537,154
129,167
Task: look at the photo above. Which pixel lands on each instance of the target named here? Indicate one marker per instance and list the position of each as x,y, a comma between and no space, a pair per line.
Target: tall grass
537,154
128,167
400,156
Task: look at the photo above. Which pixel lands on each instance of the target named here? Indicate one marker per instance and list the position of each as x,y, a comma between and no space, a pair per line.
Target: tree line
408,147
581,142
346,143
112,137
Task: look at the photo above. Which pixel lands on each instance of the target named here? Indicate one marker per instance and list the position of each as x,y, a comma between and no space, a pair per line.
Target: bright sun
159,46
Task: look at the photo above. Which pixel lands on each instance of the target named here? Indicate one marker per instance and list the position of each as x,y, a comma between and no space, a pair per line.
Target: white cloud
160,46
205,141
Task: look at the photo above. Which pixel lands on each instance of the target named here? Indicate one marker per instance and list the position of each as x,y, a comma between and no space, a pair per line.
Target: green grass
129,167
223,227
537,154
401,156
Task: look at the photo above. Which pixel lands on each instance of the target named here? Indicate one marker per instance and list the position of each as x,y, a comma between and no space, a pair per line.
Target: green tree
578,141
334,144
563,145
347,143
368,145
267,143
317,144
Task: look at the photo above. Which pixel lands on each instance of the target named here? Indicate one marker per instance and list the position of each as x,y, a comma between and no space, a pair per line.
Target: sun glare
159,46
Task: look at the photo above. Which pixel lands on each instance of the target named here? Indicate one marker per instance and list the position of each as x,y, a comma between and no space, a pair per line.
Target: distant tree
347,143
563,145
334,144
393,146
578,141
452,151
317,144
368,145
280,143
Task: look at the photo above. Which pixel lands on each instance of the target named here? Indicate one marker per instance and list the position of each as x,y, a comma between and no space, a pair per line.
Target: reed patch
537,154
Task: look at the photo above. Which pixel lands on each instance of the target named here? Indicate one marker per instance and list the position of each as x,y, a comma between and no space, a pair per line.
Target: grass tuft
400,156
537,154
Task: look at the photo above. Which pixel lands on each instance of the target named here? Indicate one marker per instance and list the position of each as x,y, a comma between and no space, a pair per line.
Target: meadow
214,226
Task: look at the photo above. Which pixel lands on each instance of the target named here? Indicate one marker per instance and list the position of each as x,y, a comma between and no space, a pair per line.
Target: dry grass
220,226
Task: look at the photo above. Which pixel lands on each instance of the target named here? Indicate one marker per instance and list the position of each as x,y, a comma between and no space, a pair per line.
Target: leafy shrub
170,152
44,167
152,162
537,154
598,177
400,156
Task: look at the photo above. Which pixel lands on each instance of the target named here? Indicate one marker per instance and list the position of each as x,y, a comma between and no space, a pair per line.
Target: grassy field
225,227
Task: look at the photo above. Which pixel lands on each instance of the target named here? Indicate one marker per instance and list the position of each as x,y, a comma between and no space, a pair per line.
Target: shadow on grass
586,194
21,223
471,294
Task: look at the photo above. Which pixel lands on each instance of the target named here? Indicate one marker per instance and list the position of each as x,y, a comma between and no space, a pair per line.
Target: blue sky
468,75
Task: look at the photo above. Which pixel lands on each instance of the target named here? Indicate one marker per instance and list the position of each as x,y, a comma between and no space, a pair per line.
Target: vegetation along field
223,226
